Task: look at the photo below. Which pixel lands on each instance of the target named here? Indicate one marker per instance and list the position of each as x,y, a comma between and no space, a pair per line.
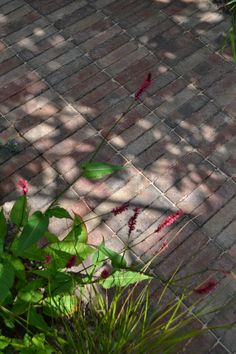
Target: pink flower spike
22,185
47,259
207,287
71,262
132,221
120,209
143,86
169,220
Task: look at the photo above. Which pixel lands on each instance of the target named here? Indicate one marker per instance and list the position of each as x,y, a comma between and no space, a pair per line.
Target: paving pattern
69,69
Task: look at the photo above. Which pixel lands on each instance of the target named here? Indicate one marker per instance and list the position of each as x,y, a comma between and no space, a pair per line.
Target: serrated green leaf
58,212
19,212
32,232
117,260
79,231
3,231
96,170
120,279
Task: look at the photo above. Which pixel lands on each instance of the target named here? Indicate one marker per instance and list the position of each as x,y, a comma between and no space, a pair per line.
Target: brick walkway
69,68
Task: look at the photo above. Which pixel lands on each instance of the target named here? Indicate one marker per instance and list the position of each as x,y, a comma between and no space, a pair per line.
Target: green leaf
60,305
19,212
3,231
32,232
79,231
58,212
120,279
31,293
72,248
6,279
96,170
18,266
4,342
117,260
35,319
62,283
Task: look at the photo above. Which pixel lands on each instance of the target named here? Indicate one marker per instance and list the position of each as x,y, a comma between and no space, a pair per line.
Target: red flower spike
71,262
120,209
22,185
207,287
47,259
132,221
143,86
169,220
105,273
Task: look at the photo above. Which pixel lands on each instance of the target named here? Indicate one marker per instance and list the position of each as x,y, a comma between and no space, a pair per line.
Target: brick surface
69,69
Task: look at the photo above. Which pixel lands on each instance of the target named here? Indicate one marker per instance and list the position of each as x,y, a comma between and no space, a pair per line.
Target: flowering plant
40,274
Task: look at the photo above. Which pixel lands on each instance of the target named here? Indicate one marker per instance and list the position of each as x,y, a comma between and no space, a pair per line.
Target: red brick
189,183
166,93
17,161
38,116
182,167
23,96
16,25
216,201
18,85
10,64
71,81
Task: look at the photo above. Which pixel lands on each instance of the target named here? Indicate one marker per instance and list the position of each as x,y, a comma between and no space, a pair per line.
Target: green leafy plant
231,33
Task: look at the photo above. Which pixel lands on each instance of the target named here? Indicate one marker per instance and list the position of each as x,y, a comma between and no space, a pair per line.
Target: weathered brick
223,91
38,116
137,71
30,106
17,161
84,74
91,41
50,54
190,182
23,96
74,16
10,6
216,201
26,31
59,62
116,54
66,10
184,165
227,237
83,24
27,18
100,99
221,219
9,64
129,136
142,143
127,61
82,88
18,85
169,87
40,41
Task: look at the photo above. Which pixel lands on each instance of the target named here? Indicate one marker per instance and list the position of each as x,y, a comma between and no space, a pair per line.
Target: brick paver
69,68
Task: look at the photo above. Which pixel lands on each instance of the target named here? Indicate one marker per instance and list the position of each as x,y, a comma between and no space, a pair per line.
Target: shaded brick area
68,69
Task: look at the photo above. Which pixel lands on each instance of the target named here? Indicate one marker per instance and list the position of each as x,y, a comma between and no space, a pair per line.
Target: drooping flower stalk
143,87
169,220
120,209
207,287
132,221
